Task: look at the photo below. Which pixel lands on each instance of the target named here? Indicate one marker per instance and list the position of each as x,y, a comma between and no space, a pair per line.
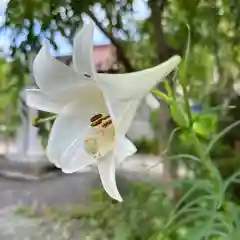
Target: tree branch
120,52
164,51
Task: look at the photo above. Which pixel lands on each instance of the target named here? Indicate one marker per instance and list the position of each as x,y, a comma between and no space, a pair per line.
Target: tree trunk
164,51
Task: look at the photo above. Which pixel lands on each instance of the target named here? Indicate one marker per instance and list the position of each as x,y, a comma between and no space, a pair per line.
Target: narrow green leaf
220,135
179,115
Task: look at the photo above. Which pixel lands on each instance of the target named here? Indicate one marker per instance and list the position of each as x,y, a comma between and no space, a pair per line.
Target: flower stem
188,108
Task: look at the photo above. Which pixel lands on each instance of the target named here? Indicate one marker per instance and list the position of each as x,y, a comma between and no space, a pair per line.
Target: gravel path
61,190
15,227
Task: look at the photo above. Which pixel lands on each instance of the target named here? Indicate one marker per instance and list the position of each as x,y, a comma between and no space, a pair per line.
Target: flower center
100,138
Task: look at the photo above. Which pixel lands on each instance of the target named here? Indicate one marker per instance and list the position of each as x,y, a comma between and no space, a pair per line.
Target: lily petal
83,50
127,118
106,167
66,129
152,101
72,122
123,112
124,148
35,98
137,84
53,76
75,158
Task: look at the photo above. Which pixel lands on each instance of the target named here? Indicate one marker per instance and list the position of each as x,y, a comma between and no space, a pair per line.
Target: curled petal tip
176,59
120,199
117,197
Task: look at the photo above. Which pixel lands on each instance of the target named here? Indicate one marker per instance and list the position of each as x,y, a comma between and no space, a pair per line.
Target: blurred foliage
148,206
9,99
147,213
147,146
44,127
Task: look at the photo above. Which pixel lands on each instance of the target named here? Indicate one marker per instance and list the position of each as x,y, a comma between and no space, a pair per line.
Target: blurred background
39,202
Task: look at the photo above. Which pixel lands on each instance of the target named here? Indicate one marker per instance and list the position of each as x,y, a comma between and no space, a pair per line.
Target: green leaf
179,115
187,55
205,125
184,156
220,135
122,232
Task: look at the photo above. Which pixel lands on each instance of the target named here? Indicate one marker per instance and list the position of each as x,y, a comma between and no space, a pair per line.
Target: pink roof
104,56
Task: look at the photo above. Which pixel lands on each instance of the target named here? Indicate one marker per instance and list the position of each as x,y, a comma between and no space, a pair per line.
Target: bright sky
140,12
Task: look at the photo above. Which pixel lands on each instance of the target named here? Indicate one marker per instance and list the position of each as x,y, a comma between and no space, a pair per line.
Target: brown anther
96,123
106,117
106,124
96,117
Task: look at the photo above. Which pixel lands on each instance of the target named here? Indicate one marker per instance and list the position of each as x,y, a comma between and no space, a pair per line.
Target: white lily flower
83,132
94,111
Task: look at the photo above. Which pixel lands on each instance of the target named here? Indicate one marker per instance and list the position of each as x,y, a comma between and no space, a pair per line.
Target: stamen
106,124
96,117
106,117
96,123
